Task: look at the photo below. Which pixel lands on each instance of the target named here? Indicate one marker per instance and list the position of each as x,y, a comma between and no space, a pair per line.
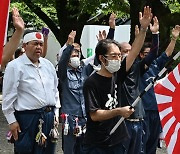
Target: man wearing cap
31,99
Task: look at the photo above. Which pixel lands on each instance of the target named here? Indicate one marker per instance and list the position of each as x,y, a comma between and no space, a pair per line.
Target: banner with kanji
167,92
4,9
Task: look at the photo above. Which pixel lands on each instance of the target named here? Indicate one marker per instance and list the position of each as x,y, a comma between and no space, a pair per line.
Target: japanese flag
4,14
167,93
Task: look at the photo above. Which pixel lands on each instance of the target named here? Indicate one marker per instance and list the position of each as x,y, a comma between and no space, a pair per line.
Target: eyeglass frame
114,55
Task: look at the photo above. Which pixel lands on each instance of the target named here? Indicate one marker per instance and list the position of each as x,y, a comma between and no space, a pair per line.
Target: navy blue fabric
152,131
72,99
71,143
29,122
111,34
149,99
153,51
152,121
92,149
136,132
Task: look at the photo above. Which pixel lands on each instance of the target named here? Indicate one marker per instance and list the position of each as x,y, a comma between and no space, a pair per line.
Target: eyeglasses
114,55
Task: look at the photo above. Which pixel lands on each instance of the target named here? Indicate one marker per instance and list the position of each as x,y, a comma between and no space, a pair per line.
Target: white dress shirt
28,87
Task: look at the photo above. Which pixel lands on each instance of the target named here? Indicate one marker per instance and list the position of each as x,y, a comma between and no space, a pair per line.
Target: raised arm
139,40
155,43
45,32
161,60
112,25
175,35
13,44
64,60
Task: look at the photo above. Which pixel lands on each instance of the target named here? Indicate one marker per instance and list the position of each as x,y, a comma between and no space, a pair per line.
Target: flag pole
147,88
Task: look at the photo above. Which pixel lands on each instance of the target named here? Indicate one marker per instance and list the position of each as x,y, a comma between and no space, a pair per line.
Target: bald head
125,48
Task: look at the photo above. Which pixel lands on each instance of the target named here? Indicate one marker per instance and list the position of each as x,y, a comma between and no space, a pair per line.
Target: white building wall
89,40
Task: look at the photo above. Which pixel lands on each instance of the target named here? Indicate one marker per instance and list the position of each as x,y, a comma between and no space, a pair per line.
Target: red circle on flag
38,35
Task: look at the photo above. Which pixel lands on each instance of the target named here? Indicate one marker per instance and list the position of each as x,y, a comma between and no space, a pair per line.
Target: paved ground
6,148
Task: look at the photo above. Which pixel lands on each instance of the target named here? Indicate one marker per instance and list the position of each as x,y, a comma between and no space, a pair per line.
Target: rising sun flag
4,9
167,92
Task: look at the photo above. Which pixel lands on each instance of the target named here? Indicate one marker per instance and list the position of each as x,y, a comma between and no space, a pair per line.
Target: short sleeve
90,97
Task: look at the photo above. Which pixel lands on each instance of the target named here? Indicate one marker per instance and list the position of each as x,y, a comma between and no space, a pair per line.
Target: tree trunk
68,20
37,10
135,7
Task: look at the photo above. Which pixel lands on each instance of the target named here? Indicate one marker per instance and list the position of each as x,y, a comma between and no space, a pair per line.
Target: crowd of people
88,95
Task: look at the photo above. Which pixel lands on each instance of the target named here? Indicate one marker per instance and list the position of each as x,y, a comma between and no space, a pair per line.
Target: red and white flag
4,14
167,93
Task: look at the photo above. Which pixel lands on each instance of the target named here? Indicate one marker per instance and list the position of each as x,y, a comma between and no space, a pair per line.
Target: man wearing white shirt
31,99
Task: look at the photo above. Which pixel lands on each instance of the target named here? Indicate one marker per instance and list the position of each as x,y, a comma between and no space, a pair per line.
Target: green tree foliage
67,14
62,16
30,18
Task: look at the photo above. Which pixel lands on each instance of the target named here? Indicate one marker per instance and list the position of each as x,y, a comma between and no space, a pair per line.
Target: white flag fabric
167,92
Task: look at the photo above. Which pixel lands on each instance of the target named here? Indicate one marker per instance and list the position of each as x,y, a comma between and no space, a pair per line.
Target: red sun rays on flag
167,93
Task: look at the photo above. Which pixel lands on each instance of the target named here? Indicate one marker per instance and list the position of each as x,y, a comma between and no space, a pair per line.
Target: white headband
34,36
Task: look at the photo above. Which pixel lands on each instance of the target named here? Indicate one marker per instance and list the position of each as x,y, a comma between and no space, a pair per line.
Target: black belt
49,108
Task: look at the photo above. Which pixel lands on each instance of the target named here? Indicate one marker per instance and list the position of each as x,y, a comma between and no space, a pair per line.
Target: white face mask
113,65
74,62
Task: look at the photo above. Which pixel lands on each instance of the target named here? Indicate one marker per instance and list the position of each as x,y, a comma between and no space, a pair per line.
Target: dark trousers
134,145
152,131
28,122
93,149
71,143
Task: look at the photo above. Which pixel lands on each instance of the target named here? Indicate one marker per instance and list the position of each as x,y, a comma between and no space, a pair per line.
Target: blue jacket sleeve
89,69
63,63
161,60
154,50
111,34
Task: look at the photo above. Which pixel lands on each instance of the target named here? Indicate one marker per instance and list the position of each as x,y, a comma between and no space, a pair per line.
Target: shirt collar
79,69
27,61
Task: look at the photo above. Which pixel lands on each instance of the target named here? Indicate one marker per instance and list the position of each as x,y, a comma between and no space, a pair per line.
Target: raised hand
155,27
136,30
71,37
17,20
145,19
175,32
102,35
112,20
